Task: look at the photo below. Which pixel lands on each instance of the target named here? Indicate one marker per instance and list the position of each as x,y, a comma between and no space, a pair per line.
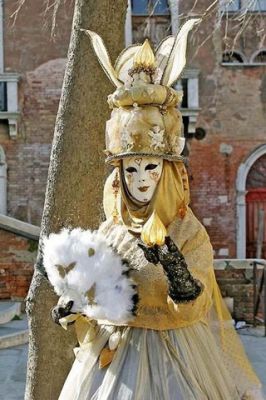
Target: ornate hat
145,119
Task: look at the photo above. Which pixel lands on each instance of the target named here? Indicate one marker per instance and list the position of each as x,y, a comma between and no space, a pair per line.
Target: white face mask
142,176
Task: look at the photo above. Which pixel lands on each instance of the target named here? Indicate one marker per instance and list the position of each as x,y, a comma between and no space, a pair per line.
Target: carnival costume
149,316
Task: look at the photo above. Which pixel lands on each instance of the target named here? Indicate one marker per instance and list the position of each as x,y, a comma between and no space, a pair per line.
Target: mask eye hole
150,167
131,170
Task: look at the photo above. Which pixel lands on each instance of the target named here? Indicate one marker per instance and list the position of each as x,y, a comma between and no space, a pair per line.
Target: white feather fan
83,268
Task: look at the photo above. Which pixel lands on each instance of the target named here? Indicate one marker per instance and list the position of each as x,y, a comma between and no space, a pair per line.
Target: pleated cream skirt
182,364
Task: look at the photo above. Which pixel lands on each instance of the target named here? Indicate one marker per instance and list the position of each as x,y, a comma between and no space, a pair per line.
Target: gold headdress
145,119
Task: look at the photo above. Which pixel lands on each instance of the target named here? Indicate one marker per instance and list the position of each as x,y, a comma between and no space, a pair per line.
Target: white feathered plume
83,268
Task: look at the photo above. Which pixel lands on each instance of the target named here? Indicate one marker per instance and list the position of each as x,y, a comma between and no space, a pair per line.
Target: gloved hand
182,286
61,311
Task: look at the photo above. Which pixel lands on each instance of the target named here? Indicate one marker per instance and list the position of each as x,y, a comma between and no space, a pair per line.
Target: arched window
233,57
3,185
250,176
259,57
256,208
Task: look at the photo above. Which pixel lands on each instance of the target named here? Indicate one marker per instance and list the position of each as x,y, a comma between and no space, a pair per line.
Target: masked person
177,340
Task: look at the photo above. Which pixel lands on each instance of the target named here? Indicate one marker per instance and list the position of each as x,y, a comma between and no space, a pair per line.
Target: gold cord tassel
182,211
115,187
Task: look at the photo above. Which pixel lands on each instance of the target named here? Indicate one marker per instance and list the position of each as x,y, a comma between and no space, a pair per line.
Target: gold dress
182,352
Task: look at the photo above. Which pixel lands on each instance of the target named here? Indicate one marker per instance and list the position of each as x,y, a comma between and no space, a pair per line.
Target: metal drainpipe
1,36
174,10
128,25
3,183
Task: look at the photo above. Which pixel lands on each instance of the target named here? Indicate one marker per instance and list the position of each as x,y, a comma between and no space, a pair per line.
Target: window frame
154,14
242,5
255,54
246,62
237,53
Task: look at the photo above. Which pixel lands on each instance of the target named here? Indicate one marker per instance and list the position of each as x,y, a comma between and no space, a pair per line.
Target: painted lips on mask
143,188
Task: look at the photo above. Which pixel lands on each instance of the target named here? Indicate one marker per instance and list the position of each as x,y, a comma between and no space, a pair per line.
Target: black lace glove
61,311
182,286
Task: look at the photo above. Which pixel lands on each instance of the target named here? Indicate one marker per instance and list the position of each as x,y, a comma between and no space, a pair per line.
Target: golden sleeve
193,241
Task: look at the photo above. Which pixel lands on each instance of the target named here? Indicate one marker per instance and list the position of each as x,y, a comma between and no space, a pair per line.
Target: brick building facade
224,105
38,61
225,99
32,69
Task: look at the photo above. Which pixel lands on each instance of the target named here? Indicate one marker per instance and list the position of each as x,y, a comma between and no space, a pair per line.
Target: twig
15,13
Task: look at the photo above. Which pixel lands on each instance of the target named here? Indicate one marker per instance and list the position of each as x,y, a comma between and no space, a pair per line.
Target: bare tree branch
220,8
16,12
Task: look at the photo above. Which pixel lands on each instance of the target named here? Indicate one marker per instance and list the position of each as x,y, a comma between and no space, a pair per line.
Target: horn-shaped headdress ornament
145,119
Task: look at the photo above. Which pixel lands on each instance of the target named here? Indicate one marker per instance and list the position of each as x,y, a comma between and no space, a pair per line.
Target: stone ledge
9,77
235,263
14,339
9,313
19,227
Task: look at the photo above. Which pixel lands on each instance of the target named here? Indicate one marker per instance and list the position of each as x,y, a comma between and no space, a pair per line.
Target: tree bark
75,182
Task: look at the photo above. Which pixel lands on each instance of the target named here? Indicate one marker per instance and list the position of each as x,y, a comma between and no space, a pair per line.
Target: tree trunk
75,182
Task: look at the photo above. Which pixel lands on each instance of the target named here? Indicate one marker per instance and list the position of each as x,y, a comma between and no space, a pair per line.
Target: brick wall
27,156
233,103
40,60
17,256
237,284
28,42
